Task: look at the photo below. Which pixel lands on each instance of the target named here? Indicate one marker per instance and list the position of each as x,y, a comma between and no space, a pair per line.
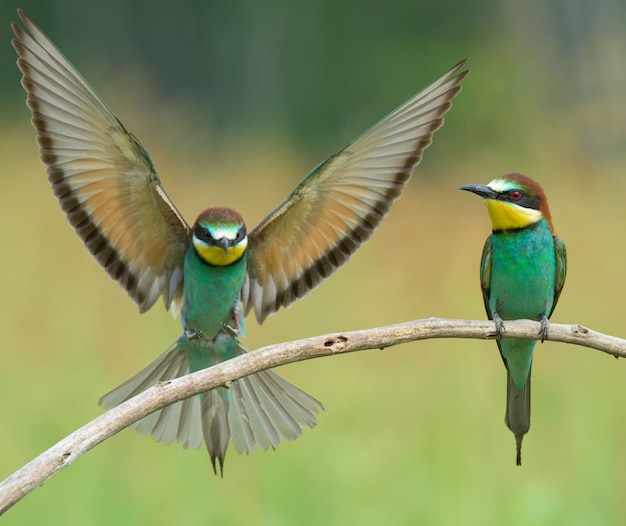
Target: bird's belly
209,298
208,312
523,275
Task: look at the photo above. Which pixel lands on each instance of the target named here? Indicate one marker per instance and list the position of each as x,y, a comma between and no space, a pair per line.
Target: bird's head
514,201
219,236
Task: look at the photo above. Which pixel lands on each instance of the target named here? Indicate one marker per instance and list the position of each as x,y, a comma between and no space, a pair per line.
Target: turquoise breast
523,272
210,293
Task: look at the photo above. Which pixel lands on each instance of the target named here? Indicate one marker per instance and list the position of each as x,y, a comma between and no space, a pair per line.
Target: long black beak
480,189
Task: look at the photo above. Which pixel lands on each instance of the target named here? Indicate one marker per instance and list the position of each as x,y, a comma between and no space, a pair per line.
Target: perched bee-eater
522,273
215,272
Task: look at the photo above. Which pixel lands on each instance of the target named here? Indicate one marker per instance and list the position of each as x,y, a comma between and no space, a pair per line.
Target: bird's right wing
102,176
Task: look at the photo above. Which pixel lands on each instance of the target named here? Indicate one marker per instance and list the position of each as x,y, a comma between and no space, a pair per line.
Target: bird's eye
240,234
515,195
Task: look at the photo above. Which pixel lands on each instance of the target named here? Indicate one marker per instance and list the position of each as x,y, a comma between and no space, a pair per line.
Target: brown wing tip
456,77
24,17
26,20
17,44
457,67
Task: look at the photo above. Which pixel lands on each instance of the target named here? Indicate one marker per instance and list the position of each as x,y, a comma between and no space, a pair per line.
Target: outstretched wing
341,202
102,176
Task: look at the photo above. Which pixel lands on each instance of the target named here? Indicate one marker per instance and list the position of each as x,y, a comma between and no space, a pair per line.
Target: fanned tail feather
257,410
215,426
179,422
266,408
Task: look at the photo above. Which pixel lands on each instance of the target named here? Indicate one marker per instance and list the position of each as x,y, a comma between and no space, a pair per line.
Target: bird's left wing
341,202
102,176
561,269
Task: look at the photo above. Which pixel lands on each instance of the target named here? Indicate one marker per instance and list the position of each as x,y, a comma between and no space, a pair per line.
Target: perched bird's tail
260,409
517,417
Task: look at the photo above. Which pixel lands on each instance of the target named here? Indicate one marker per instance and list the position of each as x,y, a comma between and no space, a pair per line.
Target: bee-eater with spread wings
215,271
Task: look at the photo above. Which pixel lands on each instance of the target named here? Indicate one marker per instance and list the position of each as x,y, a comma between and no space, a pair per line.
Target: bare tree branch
78,443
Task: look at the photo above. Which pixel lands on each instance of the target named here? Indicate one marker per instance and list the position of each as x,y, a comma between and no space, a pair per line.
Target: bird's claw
499,327
230,330
545,327
192,335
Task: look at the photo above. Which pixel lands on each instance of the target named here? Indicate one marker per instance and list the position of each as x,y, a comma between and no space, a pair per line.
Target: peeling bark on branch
78,443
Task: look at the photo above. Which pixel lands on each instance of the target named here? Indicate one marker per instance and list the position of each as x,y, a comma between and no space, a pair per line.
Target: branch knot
336,343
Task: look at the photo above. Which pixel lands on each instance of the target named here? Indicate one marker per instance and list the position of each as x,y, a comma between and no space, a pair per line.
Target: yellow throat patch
509,216
216,255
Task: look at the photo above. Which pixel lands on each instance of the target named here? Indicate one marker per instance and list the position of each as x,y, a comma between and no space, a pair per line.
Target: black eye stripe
241,233
526,201
203,234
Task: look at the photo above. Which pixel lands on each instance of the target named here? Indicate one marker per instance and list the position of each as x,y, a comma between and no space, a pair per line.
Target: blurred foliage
237,101
304,71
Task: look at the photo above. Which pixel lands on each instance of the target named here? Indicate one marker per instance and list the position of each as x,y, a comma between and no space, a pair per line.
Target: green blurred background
236,101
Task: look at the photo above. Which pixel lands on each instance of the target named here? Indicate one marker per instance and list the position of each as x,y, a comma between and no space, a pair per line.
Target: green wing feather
102,176
561,269
485,274
341,202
